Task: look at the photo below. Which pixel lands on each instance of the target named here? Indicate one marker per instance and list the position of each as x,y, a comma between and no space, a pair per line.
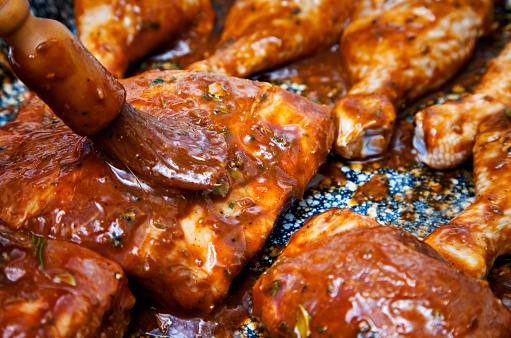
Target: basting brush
53,63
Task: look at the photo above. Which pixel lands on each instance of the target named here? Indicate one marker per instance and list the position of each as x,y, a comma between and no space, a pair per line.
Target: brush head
51,61
169,153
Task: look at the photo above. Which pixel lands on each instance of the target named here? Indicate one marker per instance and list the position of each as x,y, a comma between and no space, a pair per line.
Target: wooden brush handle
53,63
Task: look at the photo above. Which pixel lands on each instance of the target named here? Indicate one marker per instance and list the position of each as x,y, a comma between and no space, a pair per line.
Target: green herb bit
162,102
222,108
115,241
465,171
2,147
157,81
274,288
236,174
507,111
231,205
263,98
46,121
159,225
39,247
251,137
207,97
221,188
377,113
226,132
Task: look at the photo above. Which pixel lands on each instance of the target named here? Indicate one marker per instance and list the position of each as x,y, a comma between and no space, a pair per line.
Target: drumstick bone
52,62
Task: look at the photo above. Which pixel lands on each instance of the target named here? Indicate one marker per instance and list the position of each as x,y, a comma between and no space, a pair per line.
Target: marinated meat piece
185,246
472,241
118,32
51,288
445,133
395,51
344,275
261,34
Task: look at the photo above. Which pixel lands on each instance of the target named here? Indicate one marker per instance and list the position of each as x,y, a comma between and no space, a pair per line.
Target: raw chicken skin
51,288
118,32
472,241
395,51
262,34
445,133
344,275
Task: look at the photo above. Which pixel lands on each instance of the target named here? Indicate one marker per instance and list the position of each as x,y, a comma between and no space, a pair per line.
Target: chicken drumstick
445,133
396,51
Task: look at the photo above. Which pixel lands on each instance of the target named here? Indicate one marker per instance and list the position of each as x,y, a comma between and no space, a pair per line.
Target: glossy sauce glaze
344,275
321,78
55,288
185,246
259,35
120,32
472,241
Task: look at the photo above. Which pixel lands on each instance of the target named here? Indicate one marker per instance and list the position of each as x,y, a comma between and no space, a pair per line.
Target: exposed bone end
364,125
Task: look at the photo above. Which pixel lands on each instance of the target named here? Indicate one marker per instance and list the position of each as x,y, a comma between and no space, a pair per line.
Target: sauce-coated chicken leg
118,32
51,288
185,246
445,133
473,240
396,51
261,34
344,275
